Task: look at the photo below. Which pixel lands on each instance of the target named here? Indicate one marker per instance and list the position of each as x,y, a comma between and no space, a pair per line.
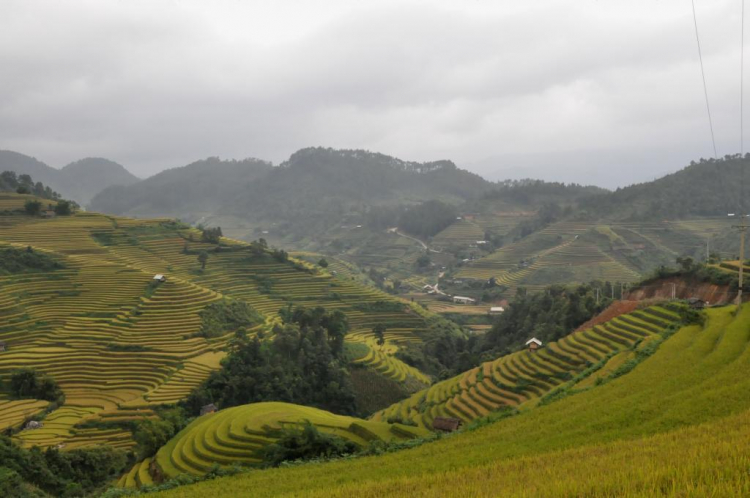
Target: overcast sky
592,91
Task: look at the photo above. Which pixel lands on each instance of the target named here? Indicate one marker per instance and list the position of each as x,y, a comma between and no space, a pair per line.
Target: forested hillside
78,181
188,192
708,187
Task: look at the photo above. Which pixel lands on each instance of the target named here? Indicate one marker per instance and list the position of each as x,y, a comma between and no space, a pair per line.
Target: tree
323,263
423,261
211,235
203,259
32,207
62,208
28,383
379,331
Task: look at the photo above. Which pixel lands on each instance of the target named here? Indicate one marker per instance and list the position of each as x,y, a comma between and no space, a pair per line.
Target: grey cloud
544,88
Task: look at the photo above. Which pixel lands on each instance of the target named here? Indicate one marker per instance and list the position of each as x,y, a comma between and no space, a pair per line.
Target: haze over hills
313,182
198,188
79,181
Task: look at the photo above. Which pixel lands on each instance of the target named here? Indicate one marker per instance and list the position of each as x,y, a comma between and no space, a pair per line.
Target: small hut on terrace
446,424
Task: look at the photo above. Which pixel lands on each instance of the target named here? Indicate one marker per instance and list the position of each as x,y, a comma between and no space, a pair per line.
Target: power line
705,87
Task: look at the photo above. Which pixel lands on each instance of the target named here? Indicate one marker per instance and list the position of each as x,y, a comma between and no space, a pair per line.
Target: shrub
32,207
306,443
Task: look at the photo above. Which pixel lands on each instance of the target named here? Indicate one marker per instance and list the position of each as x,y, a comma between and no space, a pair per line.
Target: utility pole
742,227
707,253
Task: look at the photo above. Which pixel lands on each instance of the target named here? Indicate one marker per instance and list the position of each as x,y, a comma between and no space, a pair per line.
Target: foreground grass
637,435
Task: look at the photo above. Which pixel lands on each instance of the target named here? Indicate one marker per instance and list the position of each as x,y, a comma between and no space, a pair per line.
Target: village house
696,303
463,300
33,424
48,213
534,344
211,408
496,310
446,424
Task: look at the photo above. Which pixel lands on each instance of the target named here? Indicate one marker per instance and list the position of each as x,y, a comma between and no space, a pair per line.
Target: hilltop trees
23,184
211,235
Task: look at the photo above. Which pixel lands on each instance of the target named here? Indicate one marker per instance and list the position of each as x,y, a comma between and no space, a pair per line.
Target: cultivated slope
521,378
238,435
637,435
116,345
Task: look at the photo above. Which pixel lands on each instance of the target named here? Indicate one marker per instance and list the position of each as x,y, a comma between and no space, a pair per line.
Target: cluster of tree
423,220
227,316
302,363
14,260
211,235
549,213
36,473
24,184
533,192
547,315
305,443
25,383
152,434
62,208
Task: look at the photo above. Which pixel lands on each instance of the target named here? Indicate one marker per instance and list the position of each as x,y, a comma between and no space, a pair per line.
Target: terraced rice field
237,435
560,254
522,378
16,202
460,233
383,360
677,425
113,343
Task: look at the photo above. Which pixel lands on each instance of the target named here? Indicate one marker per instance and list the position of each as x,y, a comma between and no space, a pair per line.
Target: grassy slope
590,444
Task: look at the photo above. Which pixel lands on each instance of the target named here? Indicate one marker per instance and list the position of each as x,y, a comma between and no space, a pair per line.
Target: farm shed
446,424
209,409
534,344
496,310
33,424
696,303
463,300
3,346
48,213
160,278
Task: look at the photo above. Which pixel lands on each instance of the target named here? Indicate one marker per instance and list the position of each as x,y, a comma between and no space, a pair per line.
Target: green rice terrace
239,434
119,344
523,378
676,425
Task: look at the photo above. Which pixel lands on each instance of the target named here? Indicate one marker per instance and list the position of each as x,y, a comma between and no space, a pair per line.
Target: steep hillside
525,377
83,179
675,425
706,188
239,435
189,192
78,181
119,344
